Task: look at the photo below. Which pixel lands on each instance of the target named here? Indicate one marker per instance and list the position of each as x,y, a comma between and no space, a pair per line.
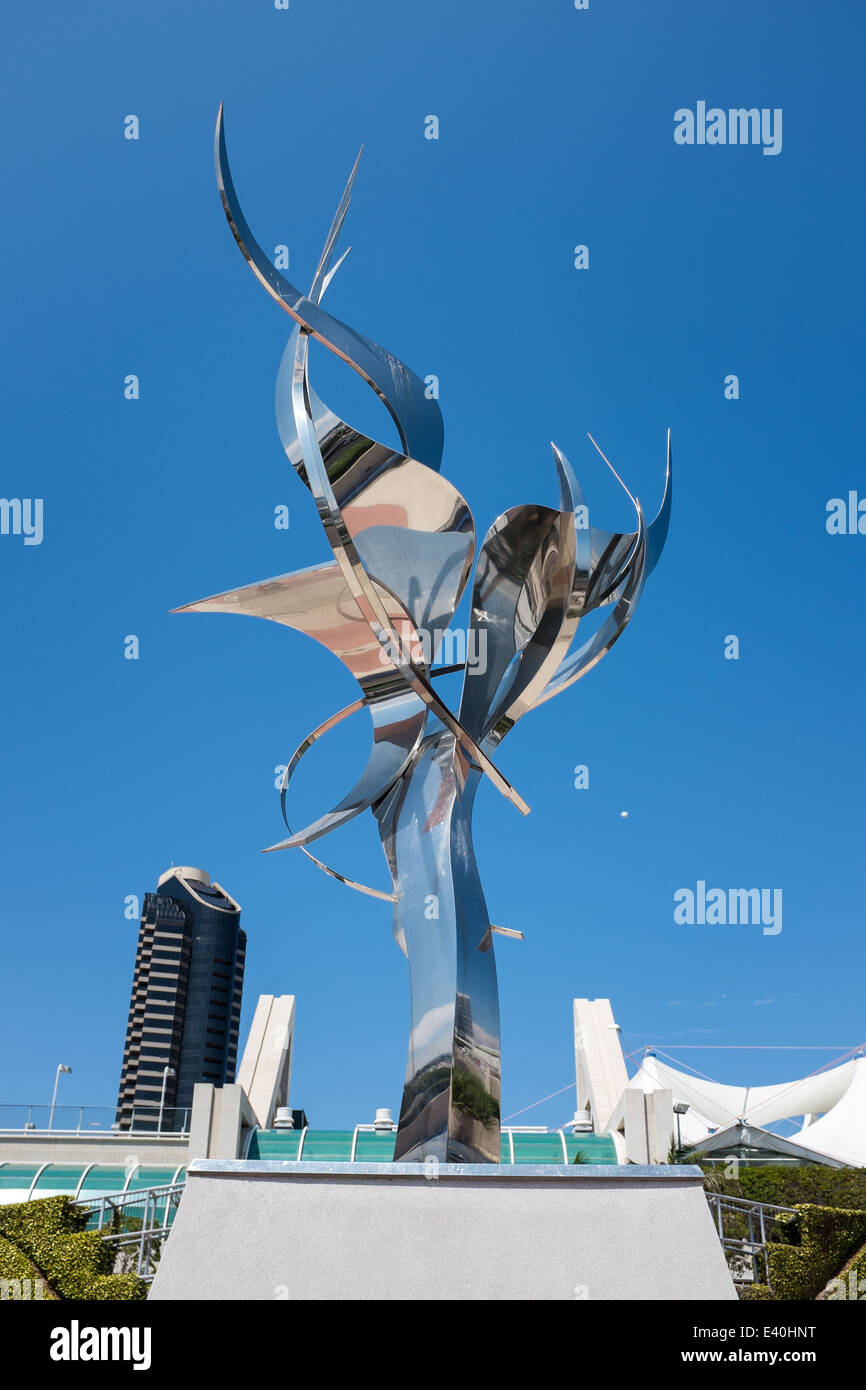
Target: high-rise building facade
185,1009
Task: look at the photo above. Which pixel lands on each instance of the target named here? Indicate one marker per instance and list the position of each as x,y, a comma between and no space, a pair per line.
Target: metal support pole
142,1245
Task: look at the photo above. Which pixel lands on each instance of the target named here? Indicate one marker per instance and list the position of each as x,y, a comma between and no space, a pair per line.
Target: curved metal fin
340,537
321,279
527,601
398,726
578,663
612,552
657,531
417,417
331,273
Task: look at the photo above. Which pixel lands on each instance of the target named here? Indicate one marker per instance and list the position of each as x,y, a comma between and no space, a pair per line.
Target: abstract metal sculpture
403,539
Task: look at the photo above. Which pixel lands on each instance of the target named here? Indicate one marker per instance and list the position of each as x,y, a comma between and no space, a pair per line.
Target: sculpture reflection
402,539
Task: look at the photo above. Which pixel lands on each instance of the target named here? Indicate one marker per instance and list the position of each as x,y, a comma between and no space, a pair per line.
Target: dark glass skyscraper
185,1008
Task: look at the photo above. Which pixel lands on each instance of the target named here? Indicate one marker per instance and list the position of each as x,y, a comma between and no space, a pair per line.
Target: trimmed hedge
14,1265
827,1238
843,1188
752,1292
850,1282
76,1263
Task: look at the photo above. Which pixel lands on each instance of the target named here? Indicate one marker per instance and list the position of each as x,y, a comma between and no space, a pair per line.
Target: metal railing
745,1228
92,1119
135,1224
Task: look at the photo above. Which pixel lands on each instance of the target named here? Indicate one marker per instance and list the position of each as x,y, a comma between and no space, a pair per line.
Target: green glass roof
18,1174
374,1148
319,1145
58,1177
103,1179
154,1177
335,1146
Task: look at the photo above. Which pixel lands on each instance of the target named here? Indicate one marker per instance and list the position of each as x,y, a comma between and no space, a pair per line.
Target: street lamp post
167,1072
60,1069
680,1109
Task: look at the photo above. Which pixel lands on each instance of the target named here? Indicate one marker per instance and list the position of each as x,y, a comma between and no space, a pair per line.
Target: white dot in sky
624,815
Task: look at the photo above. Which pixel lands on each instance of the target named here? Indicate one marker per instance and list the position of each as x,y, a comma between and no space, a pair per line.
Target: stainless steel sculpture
403,539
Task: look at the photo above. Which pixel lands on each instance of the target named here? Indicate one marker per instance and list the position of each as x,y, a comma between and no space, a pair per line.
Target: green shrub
114,1287
827,1239
14,1265
49,1215
77,1264
850,1283
783,1186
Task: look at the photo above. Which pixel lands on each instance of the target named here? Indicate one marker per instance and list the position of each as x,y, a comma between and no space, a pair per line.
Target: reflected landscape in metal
402,543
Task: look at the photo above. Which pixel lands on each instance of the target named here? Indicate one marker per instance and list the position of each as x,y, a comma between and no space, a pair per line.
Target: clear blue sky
556,128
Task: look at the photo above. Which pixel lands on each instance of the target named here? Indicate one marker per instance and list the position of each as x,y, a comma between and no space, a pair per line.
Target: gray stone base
265,1230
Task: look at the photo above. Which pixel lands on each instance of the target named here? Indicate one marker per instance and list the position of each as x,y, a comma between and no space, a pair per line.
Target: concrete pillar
601,1073
201,1120
266,1066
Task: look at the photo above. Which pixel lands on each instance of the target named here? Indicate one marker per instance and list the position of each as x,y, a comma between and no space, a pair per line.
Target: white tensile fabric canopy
837,1095
841,1133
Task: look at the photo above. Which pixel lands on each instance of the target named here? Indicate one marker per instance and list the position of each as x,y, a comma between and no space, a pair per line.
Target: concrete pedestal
267,1230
